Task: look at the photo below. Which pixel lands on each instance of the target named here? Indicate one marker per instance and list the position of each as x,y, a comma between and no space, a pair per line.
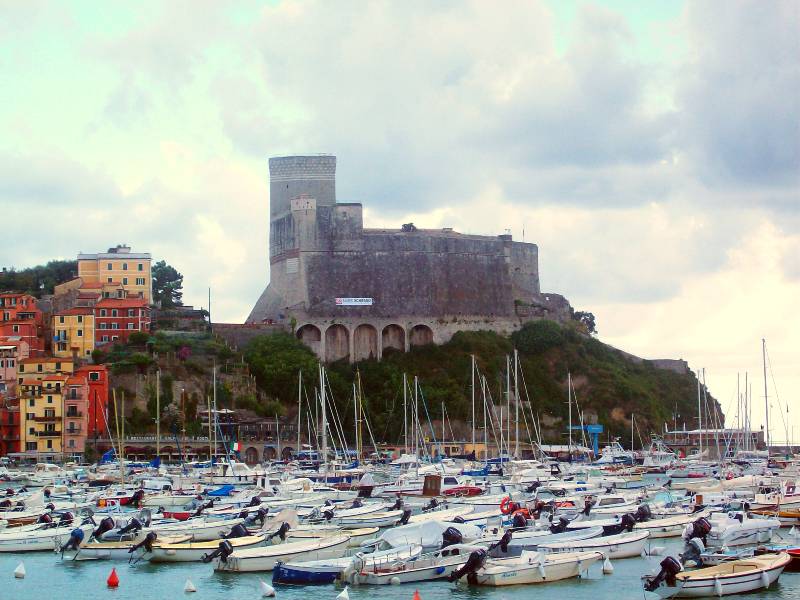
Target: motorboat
265,558
734,577
44,538
427,567
533,567
121,550
621,545
736,529
189,551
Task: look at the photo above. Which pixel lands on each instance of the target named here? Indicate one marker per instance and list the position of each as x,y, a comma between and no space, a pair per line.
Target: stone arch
337,343
393,337
311,336
421,335
270,453
365,342
251,456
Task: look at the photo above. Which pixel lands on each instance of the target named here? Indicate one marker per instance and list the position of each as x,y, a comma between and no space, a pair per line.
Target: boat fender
669,568
608,568
406,516
717,586
66,518
395,580
764,579
473,564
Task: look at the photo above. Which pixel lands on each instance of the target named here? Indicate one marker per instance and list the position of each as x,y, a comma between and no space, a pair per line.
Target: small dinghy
529,567
622,545
199,551
734,577
265,558
427,567
328,570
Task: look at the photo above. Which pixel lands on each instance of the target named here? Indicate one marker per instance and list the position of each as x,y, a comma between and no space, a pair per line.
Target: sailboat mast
569,404
485,424
516,405
766,399
324,417
699,418
299,407
405,413
473,404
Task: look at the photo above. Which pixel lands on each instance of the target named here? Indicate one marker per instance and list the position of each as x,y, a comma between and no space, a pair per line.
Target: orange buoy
113,579
416,595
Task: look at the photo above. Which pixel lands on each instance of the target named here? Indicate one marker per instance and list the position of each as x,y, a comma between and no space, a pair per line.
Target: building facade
116,318
119,266
73,333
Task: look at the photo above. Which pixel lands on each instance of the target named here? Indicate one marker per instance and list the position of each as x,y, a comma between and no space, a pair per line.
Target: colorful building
21,320
11,351
73,332
120,266
97,406
9,424
76,416
41,414
116,318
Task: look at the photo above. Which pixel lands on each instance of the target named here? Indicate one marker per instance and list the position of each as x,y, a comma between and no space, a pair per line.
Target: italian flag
235,446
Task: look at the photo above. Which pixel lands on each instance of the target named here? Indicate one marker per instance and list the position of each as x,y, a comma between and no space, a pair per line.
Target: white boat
734,577
622,545
195,551
534,567
357,536
42,539
374,519
427,567
95,550
427,534
265,558
737,529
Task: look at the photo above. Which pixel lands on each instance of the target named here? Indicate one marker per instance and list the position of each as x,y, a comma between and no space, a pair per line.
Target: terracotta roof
91,285
78,310
88,368
73,380
43,359
122,303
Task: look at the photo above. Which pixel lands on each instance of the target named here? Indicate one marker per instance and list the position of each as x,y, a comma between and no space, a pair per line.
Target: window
131,326
114,338
30,445
31,402
106,295
31,430
110,280
15,328
131,312
21,368
61,319
49,399
124,281
80,332
80,318
62,347
28,416
58,366
88,353
115,326
109,266
94,376
114,312
72,442
103,325
102,312
141,267
104,338
39,367
140,281
124,266
49,444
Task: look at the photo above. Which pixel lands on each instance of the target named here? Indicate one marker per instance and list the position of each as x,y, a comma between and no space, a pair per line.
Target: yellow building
119,265
73,333
41,413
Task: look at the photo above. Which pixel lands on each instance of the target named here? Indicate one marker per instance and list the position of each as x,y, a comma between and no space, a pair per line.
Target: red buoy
416,595
113,580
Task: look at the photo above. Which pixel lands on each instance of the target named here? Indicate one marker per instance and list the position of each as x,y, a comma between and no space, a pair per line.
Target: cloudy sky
651,149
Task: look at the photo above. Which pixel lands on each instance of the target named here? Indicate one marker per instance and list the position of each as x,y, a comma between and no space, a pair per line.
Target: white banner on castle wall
353,301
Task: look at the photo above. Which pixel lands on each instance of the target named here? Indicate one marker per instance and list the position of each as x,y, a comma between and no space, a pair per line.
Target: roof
73,380
91,285
122,303
90,368
78,310
115,255
43,359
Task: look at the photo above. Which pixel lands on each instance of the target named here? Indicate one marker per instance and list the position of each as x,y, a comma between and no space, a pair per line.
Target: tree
167,285
40,279
586,319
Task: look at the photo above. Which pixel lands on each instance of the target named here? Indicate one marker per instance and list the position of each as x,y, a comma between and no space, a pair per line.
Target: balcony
74,414
76,430
39,419
49,433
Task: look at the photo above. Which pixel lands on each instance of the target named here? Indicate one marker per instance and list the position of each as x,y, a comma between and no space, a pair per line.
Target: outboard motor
146,517
561,527
45,518
470,568
75,539
237,531
459,519
357,503
136,498
691,554
643,513
261,516
66,518
50,506
533,487
699,529
254,501
281,532
105,526
146,543
431,505
224,550
398,504
328,514
503,542
669,568
519,521
451,536
134,526
406,516
47,493
587,506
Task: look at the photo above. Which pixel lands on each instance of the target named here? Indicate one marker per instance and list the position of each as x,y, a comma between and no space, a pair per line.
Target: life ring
505,507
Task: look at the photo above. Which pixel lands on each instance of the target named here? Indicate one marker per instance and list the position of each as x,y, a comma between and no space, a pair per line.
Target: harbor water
48,578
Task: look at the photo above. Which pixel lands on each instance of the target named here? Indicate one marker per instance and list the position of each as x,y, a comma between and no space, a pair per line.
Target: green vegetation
39,280
607,383
167,285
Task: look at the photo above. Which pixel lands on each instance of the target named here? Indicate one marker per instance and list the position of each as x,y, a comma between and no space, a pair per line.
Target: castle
352,293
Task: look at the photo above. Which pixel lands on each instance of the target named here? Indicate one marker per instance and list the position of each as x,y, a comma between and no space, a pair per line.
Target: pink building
76,415
11,352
